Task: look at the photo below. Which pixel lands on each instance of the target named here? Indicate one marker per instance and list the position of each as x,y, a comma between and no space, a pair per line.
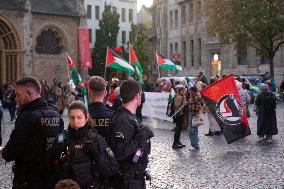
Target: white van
188,81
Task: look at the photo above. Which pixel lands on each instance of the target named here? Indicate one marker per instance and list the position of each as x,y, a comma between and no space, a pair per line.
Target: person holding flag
76,79
224,102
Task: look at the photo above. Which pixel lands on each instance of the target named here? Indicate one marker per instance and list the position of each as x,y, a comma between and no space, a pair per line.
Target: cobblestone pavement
244,164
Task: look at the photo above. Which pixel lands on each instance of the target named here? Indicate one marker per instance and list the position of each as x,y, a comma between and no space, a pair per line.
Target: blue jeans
193,133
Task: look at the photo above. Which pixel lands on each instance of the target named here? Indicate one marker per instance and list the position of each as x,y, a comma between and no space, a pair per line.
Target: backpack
171,107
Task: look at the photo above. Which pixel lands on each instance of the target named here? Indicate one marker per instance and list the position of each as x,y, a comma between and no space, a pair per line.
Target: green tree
254,23
142,46
106,36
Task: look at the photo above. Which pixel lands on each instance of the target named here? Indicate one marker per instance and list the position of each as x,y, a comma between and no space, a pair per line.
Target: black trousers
179,121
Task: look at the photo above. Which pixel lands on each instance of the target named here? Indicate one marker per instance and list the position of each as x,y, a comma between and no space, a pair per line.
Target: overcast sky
148,3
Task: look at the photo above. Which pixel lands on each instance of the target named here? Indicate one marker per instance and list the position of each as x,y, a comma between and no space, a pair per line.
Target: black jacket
101,117
125,142
85,146
266,113
36,129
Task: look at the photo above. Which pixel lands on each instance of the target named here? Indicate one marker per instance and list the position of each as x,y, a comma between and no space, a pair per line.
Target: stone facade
145,17
179,26
43,32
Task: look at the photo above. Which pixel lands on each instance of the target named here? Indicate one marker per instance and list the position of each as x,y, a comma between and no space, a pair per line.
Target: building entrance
10,53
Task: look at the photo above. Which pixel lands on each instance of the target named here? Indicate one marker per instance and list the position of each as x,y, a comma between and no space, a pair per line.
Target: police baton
179,109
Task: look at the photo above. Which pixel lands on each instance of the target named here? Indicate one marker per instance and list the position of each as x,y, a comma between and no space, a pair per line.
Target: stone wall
54,66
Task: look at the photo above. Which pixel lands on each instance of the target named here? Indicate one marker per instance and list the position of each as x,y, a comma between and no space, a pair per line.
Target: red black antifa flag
224,102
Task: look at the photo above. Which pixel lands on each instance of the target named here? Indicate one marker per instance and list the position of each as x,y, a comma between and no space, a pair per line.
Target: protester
112,95
117,103
45,90
69,94
214,128
59,94
245,97
130,139
10,101
251,101
87,155
100,115
36,129
179,104
139,108
269,81
147,86
266,113
195,104
203,78
80,91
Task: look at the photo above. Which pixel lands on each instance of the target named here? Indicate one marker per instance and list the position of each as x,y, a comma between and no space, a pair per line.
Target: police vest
79,165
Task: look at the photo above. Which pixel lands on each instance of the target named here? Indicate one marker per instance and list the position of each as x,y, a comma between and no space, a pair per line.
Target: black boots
178,145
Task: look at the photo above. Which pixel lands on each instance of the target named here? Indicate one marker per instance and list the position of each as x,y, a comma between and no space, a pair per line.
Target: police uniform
101,117
36,129
87,158
126,139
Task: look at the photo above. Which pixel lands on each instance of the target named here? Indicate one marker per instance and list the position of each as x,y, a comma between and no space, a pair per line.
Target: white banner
155,106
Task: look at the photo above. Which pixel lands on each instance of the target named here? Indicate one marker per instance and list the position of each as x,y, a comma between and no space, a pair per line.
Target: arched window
49,42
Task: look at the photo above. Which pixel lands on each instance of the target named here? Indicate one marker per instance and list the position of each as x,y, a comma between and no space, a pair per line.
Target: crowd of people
101,148
189,110
106,145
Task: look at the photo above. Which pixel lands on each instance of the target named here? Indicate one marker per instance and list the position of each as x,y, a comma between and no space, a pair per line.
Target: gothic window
49,42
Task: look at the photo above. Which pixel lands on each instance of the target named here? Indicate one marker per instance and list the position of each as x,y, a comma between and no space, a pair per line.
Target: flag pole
67,66
106,64
158,66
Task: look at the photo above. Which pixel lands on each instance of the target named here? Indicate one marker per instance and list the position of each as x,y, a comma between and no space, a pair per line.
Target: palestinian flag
72,67
69,60
116,62
166,63
224,102
133,60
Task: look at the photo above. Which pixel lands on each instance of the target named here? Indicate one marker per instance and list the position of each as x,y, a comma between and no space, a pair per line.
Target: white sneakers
1,148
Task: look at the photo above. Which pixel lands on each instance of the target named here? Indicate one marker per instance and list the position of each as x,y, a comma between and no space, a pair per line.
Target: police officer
129,139
35,131
100,115
87,156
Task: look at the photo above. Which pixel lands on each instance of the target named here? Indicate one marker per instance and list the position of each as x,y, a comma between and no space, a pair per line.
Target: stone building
179,26
34,36
145,17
